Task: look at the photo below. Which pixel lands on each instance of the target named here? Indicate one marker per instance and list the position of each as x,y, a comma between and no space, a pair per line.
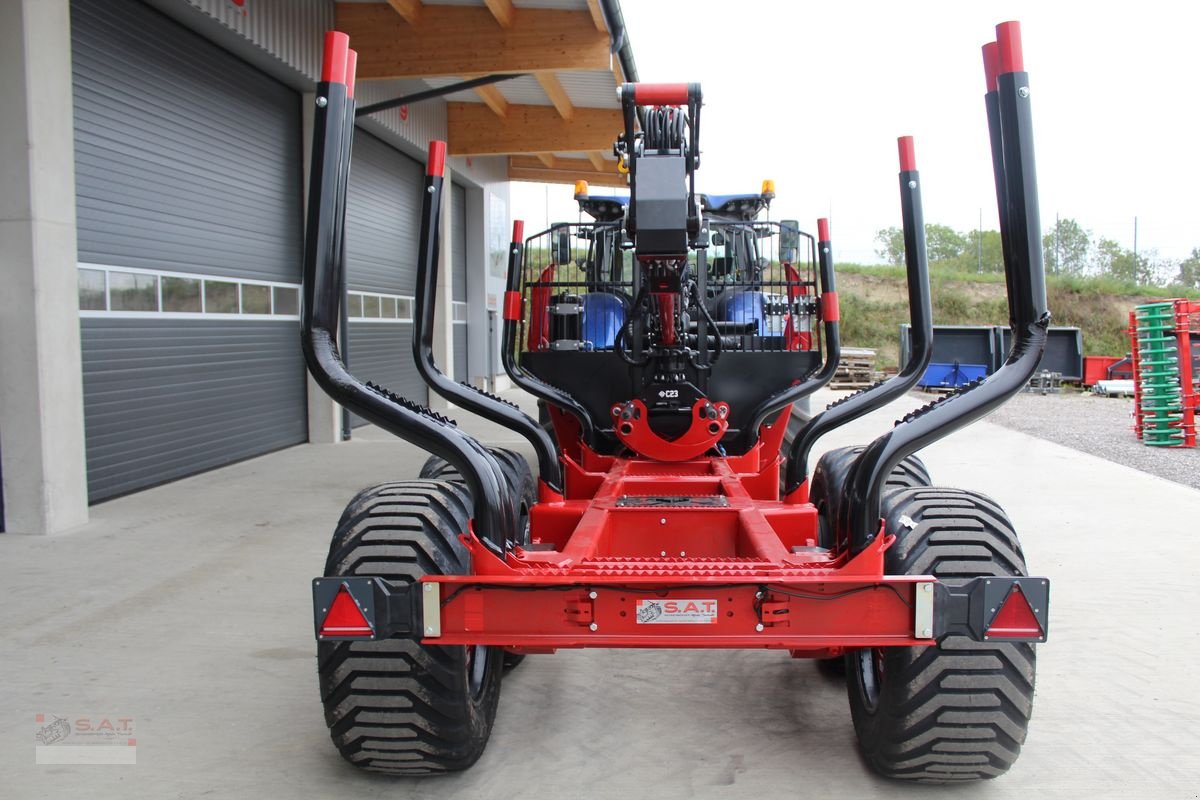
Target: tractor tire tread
396,705
958,711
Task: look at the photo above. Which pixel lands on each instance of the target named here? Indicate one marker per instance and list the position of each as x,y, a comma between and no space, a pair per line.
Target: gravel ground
1101,426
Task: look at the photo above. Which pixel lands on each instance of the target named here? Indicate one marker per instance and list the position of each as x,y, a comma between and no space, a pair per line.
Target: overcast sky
814,95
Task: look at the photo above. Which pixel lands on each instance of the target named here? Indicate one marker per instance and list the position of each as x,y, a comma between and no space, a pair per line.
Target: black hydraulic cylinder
920,310
491,408
494,513
1020,220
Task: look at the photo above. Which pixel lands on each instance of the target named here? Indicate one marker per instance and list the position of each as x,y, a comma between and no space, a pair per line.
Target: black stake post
1021,226
920,311
491,408
831,338
513,312
494,516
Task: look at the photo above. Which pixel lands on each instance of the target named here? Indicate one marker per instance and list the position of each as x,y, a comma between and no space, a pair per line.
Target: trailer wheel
520,481
825,491
397,705
957,711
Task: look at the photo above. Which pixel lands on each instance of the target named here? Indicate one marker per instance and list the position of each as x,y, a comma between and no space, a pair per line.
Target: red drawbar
908,154
351,69
1015,619
829,307
518,231
1008,41
437,159
344,617
660,94
512,306
991,64
822,230
333,68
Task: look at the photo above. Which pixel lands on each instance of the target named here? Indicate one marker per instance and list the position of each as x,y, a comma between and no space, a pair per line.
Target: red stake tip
1008,40
437,159
908,154
991,64
518,231
333,67
822,230
351,69
660,94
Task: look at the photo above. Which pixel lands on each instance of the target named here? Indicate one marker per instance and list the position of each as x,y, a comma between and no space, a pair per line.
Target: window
220,297
370,306
287,300
132,291
389,307
181,294
105,290
93,296
256,299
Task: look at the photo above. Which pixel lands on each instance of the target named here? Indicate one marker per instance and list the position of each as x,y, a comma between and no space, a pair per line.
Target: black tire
829,477
825,491
520,481
957,711
396,705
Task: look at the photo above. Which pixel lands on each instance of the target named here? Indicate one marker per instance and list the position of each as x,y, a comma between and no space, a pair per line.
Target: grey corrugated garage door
189,185
458,280
383,215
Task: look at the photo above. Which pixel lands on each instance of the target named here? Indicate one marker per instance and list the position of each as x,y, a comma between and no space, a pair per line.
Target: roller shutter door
458,279
189,211
383,217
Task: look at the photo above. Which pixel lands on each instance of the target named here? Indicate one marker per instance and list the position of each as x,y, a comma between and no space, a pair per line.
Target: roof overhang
556,120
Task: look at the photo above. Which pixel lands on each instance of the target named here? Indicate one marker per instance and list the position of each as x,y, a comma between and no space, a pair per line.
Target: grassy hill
874,303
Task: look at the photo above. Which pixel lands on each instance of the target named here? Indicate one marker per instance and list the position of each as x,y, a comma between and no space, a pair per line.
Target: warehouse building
153,155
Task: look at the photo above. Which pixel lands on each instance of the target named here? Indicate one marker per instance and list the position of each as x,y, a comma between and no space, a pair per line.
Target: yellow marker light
768,187
581,188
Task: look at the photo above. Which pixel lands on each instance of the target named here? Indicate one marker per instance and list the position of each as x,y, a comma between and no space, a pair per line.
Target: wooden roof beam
502,10
557,94
466,40
494,99
565,170
547,159
409,9
599,162
473,130
597,15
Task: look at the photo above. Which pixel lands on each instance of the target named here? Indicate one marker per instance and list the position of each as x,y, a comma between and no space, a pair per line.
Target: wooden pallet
855,370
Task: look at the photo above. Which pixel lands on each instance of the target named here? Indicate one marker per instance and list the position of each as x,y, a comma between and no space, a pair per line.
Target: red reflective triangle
345,618
1015,619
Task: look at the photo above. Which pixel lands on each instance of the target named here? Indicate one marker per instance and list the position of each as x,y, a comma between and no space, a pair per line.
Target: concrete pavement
186,607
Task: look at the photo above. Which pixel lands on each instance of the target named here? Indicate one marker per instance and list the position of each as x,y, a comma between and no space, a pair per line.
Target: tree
1124,265
1067,248
984,252
943,243
1189,270
891,245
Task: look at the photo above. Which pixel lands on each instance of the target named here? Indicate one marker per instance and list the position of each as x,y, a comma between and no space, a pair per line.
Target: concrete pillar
324,415
41,388
443,316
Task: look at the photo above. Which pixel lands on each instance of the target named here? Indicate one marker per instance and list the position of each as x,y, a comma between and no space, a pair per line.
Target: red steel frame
1185,312
750,555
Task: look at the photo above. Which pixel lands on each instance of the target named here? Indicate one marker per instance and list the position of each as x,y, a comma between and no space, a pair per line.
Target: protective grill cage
581,283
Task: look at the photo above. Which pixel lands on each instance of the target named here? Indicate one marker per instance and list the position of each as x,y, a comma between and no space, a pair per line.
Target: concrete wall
41,391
